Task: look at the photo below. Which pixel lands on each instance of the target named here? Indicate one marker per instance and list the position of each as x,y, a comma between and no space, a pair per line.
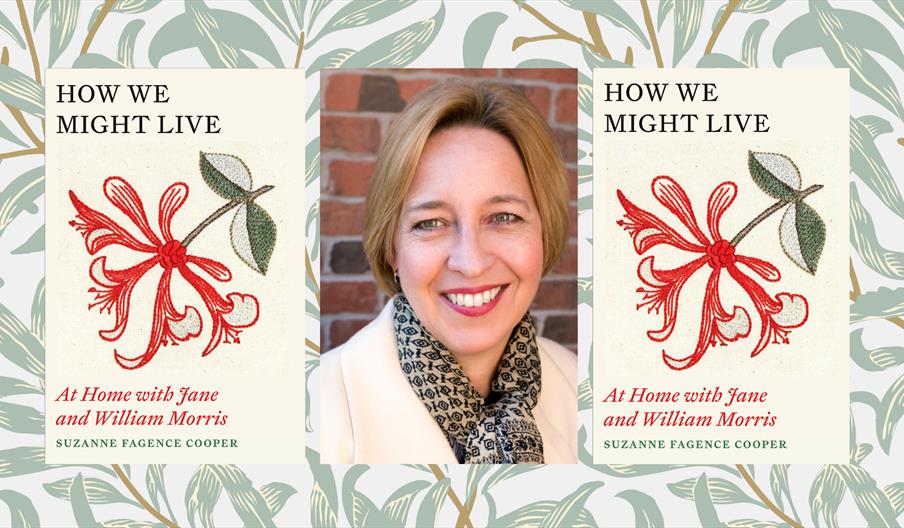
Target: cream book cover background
720,316
175,266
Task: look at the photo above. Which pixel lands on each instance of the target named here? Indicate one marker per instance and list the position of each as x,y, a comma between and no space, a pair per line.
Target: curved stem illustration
762,496
464,519
770,211
300,49
223,210
141,500
593,27
20,119
558,32
648,21
108,5
729,9
26,29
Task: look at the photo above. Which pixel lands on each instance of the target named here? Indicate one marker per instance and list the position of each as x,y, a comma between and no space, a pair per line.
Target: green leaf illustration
845,37
400,48
751,43
876,359
63,19
81,508
22,513
396,507
125,50
721,491
331,59
37,312
277,494
428,512
889,412
775,174
476,472
357,14
95,60
753,523
220,36
665,7
569,509
803,236
253,236
612,12
867,162
312,161
7,26
778,481
21,418
646,511
20,196
506,472
324,499
585,395
531,515
316,8
479,37
130,7
97,491
705,509
21,91
595,60
359,509
8,135
688,17
825,496
19,345
129,523
748,6
40,8
895,494
34,244
883,303
153,479
226,175
276,12
298,7
13,386
201,495
863,238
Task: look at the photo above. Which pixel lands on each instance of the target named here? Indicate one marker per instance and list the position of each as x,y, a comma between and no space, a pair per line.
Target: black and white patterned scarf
498,430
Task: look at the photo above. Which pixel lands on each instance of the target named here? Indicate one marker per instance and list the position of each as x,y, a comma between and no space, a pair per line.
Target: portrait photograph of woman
466,211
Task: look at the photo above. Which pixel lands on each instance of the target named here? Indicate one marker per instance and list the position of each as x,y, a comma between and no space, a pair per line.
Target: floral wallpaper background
863,36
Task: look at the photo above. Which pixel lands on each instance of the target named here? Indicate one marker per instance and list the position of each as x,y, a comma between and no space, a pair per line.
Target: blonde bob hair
471,104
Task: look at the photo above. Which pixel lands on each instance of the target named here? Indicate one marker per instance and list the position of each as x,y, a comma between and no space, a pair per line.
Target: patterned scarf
498,430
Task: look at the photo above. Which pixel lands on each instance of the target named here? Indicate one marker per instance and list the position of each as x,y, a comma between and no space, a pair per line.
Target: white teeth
473,301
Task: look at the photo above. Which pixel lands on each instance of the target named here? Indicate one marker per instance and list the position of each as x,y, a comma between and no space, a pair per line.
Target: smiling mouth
473,302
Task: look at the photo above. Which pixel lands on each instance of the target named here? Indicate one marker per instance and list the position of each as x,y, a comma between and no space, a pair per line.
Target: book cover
720,266
175,266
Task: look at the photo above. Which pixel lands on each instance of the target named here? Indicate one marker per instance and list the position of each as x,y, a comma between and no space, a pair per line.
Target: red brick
559,75
338,218
351,134
540,96
568,260
351,177
557,294
457,72
380,93
342,329
408,88
568,144
567,106
562,329
572,221
348,297
342,92
571,175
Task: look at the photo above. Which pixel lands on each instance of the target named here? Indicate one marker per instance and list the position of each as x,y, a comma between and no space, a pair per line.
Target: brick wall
356,110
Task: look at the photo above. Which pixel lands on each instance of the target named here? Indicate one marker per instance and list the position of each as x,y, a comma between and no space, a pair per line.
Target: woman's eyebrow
428,205
508,198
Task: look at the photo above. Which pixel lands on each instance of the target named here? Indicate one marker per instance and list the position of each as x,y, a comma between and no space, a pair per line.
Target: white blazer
369,413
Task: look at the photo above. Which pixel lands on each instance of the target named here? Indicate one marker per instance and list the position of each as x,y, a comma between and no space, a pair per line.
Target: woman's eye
428,225
505,218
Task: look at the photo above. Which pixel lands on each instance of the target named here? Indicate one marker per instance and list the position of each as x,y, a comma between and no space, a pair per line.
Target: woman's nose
468,255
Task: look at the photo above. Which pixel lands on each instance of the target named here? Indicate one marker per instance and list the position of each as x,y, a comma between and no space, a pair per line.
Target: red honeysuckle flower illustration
662,287
229,315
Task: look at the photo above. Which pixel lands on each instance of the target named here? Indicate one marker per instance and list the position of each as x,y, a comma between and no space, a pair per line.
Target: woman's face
469,247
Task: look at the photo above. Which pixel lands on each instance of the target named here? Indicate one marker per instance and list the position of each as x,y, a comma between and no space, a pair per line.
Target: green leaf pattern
862,36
